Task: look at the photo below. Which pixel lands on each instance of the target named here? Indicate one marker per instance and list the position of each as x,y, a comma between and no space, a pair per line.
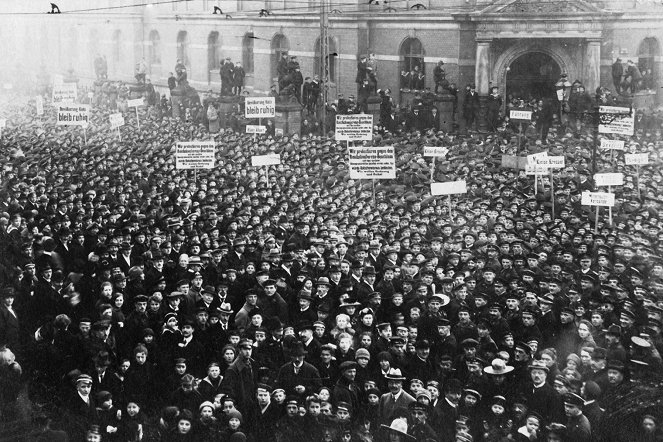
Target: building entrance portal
532,75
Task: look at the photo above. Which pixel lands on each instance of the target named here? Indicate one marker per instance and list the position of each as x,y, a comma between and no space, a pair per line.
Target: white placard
136,102
271,159
535,169
73,115
556,162
195,155
372,162
64,93
39,103
278,131
116,120
260,107
355,127
255,129
636,159
448,188
598,199
612,144
520,115
435,151
609,179
620,125
535,158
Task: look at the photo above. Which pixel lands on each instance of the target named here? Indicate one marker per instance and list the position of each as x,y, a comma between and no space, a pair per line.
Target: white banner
434,151
255,129
448,188
136,102
609,179
64,93
260,107
73,115
636,159
39,102
195,155
271,159
612,144
556,162
535,169
536,157
116,120
598,199
372,162
520,115
356,127
620,125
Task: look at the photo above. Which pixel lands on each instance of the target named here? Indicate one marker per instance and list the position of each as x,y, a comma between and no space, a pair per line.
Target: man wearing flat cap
577,424
346,390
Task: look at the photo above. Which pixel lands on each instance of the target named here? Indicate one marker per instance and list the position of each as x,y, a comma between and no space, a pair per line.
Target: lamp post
563,86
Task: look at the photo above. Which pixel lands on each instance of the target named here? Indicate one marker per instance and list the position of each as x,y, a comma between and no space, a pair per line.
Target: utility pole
324,63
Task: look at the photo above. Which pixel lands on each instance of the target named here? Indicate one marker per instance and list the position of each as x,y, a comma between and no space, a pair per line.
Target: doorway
532,75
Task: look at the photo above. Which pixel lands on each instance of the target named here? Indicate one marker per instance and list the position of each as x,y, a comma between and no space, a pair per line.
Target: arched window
412,54
647,52
183,47
117,48
332,57
247,52
280,46
154,52
212,54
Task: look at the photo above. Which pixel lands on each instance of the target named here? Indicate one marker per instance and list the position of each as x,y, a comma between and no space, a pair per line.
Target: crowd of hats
496,242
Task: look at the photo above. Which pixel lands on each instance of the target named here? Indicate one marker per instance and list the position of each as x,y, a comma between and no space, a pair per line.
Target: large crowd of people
143,302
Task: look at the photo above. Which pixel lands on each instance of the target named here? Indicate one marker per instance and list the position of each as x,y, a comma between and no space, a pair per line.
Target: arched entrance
532,75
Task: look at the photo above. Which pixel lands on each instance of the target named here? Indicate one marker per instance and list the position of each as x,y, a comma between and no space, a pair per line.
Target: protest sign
73,115
255,129
520,115
260,107
194,155
64,93
621,125
535,157
266,160
535,169
609,179
448,188
278,132
598,199
39,103
612,144
434,151
636,159
372,162
136,102
355,127
116,120
556,162
514,162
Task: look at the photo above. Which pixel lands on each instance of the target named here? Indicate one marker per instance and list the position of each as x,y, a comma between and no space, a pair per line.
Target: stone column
592,78
482,78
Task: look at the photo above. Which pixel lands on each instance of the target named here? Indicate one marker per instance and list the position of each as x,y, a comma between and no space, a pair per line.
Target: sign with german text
73,115
260,107
194,155
116,120
355,127
520,115
598,199
612,144
621,125
64,93
39,103
535,158
535,169
448,188
556,162
271,159
255,129
433,151
138,102
636,159
609,179
372,162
